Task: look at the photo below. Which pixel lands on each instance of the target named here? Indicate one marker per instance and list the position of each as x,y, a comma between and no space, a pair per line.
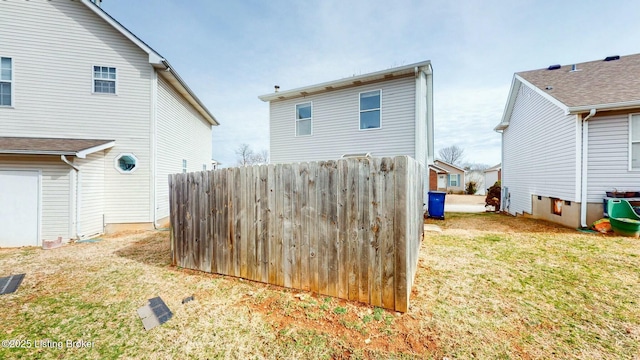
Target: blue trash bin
436,204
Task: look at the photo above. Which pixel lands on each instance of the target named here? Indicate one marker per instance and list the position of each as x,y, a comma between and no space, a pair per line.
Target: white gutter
78,193
585,145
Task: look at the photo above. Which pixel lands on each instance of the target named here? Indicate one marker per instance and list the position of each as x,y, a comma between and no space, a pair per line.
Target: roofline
83,153
198,104
611,106
349,82
494,168
438,168
79,154
154,59
453,166
516,83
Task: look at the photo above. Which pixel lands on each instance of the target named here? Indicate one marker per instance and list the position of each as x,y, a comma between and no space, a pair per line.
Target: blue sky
229,52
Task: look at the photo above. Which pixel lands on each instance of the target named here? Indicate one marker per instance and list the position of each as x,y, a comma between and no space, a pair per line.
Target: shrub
472,187
493,196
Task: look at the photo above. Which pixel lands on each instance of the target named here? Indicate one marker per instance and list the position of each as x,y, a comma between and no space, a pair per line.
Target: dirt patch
352,325
472,224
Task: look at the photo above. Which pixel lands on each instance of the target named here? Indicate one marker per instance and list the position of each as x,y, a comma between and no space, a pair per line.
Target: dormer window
104,80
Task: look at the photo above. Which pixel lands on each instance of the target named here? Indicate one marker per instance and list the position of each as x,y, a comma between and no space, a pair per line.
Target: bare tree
248,157
260,158
452,154
245,154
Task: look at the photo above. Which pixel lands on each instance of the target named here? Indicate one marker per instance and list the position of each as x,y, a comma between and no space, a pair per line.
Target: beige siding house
452,179
569,135
385,113
92,120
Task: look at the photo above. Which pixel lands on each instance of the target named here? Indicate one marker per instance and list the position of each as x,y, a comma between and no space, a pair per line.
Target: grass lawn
489,286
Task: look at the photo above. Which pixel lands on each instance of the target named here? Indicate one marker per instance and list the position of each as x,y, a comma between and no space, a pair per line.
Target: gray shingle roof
595,83
47,146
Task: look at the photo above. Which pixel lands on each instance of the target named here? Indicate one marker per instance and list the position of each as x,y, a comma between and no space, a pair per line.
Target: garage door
19,196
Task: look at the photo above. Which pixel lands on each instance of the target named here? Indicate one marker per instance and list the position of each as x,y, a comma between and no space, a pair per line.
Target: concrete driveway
464,203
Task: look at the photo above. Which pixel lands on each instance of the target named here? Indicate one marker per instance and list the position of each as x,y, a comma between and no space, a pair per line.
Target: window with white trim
303,119
126,163
184,166
370,109
454,180
104,80
6,81
634,142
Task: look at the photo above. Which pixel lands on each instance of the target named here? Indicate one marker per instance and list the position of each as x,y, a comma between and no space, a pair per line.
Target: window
204,167
454,179
634,142
556,206
104,80
126,163
184,166
6,79
303,119
370,110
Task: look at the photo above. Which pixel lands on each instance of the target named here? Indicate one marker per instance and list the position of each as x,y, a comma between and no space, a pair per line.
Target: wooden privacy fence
349,228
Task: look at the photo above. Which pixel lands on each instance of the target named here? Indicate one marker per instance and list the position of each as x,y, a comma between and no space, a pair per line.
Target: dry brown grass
488,286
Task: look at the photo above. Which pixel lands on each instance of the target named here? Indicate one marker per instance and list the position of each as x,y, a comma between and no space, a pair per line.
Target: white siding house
567,139
99,116
491,175
386,113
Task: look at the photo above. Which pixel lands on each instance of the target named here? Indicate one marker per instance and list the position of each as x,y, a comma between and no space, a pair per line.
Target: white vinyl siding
608,165
336,118
183,135
539,152
91,192
55,212
71,36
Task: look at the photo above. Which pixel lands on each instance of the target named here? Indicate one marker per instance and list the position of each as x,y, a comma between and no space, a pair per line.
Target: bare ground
488,286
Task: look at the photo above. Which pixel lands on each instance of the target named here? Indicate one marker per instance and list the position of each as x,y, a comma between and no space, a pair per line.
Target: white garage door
19,195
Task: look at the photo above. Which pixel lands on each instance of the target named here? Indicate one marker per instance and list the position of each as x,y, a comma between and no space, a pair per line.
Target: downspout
583,186
77,169
154,144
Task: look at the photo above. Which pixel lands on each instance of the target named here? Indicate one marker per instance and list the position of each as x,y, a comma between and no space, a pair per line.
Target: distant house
477,176
491,175
92,121
385,113
452,179
570,134
437,175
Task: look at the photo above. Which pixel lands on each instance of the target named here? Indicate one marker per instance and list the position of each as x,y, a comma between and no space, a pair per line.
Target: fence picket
349,228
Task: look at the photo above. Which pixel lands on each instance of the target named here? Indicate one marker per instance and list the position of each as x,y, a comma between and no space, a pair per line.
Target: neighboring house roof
494,168
158,62
438,169
451,165
398,72
605,84
51,146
